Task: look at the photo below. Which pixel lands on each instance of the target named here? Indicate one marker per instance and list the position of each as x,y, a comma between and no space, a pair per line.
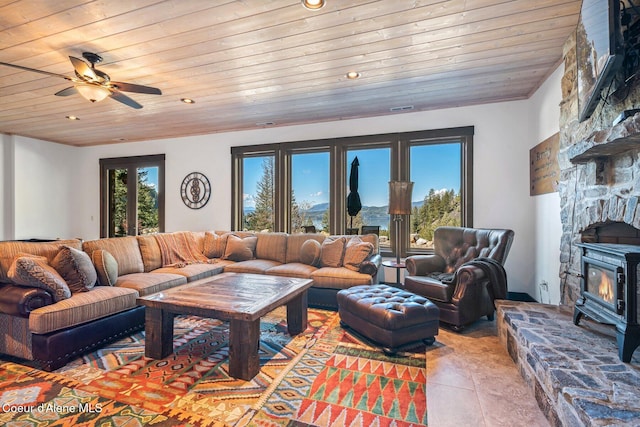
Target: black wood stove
610,291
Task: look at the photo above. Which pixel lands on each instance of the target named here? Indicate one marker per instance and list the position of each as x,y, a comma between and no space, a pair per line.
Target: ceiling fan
93,84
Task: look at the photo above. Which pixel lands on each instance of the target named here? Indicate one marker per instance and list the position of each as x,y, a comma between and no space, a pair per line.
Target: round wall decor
195,190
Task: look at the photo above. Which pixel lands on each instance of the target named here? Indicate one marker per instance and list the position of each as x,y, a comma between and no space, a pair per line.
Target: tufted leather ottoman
388,316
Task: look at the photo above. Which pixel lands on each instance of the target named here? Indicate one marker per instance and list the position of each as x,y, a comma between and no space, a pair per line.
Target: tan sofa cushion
76,269
339,278
292,269
198,236
239,249
215,244
355,253
106,267
150,283
9,251
295,242
272,246
311,252
82,307
195,271
125,250
370,238
332,252
257,266
150,252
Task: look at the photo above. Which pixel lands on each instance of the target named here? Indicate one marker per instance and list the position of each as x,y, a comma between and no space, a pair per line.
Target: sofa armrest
20,301
371,265
421,265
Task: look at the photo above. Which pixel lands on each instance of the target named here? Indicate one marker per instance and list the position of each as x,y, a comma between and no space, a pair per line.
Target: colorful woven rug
323,377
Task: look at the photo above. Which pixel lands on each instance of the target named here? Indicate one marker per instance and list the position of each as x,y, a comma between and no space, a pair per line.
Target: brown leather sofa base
388,316
52,351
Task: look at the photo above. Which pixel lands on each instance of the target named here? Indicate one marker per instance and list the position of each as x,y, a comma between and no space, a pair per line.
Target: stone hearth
573,371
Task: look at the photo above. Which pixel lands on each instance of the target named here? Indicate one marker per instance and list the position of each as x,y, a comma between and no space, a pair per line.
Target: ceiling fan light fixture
92,93
313,4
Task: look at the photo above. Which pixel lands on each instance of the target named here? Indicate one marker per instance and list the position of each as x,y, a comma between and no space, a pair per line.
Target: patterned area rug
322,377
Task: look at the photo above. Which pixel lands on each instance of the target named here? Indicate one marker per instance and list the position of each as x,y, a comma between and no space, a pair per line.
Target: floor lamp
399,205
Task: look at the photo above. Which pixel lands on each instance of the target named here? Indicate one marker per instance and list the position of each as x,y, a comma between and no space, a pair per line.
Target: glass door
132,202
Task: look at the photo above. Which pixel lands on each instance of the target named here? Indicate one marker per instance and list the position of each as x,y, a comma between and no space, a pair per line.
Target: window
132,195
436,190
258,195
374,171
309,205
306,183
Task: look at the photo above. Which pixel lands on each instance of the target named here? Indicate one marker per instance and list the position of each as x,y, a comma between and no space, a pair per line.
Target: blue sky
432,166
152,175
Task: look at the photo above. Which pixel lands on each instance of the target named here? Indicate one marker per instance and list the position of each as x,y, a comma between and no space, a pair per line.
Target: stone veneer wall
602,183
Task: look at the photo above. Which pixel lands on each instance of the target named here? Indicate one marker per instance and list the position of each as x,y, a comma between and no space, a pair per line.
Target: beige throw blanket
179,249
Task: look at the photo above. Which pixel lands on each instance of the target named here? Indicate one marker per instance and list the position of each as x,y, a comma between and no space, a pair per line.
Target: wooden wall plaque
544,172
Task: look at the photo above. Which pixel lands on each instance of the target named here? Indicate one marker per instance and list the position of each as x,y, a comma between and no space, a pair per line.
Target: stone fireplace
599,183
576,372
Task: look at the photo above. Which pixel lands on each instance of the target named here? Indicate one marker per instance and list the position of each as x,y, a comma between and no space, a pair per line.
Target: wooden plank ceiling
256,63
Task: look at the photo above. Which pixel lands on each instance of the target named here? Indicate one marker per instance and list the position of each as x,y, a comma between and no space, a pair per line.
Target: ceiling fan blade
36,71
83,70
121,97
66,92
130,87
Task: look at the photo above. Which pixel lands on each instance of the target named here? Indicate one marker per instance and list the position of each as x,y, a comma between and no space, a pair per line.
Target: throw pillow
214,244
150,251
106,267
76,269
356,252
310,252
238,249
35,272
332,252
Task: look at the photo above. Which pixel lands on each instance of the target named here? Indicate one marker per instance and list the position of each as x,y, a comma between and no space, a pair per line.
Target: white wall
545,113
45,189
501,175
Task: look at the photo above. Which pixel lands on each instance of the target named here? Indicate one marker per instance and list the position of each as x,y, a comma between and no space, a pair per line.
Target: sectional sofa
62,298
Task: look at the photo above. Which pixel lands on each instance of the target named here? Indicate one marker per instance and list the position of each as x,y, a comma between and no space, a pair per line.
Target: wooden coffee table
240,299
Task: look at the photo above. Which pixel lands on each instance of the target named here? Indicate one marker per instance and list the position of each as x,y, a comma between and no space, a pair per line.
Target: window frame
399,144
131,163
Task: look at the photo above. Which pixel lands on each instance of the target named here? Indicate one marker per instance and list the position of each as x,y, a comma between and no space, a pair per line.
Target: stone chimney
599,170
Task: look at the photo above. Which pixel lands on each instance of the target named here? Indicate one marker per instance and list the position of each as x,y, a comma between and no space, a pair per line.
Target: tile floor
472,381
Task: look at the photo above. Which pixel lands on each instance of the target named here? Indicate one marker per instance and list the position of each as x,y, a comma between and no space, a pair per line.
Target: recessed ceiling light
187,100
73,117
313,4
352,75
265,124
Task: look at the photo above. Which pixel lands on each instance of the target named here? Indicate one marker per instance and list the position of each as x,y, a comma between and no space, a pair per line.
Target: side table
398,267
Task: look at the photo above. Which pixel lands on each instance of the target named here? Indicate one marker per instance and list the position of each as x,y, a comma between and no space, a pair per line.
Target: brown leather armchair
464,275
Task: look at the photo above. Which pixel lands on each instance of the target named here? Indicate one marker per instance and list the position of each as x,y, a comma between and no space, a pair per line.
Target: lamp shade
93,93
400,197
